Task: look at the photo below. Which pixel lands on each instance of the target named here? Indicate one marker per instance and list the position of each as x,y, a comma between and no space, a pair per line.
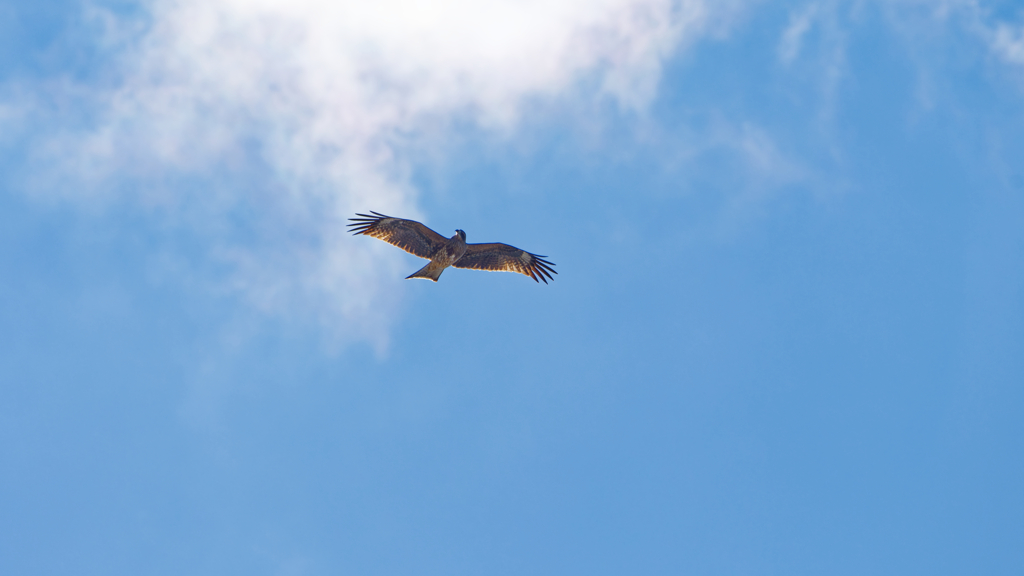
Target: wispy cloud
1008,42
305,112
792,37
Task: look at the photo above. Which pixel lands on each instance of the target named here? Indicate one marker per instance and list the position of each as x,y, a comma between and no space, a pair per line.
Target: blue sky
786,337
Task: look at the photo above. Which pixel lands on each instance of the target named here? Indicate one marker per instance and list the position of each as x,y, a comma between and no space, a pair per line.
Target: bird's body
450,253
417,239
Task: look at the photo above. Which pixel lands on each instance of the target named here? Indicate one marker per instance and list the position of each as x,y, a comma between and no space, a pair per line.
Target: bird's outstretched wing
409,235
505,258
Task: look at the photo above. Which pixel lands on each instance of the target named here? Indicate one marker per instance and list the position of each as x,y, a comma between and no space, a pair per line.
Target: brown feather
499,257
409,235
417,239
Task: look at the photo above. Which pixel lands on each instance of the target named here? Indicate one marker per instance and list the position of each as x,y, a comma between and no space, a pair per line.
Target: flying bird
418,240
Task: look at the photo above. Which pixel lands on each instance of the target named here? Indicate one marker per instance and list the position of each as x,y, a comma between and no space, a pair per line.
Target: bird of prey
417,239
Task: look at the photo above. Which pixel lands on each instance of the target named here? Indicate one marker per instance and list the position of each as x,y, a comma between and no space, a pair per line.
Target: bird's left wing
409,235
504,258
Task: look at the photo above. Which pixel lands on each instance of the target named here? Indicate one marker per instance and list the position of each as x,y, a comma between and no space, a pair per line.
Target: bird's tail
428,272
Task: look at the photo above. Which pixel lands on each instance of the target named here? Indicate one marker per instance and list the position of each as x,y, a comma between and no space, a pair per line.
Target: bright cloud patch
1008,42
320,100
792,38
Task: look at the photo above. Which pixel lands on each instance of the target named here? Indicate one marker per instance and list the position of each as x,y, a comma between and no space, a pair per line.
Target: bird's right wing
409,235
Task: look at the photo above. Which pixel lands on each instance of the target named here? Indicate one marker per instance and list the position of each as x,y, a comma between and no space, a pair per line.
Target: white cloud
792,38
322,100
928,23
1008,42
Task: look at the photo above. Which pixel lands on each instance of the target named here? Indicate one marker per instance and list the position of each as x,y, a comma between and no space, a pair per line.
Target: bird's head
461,234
